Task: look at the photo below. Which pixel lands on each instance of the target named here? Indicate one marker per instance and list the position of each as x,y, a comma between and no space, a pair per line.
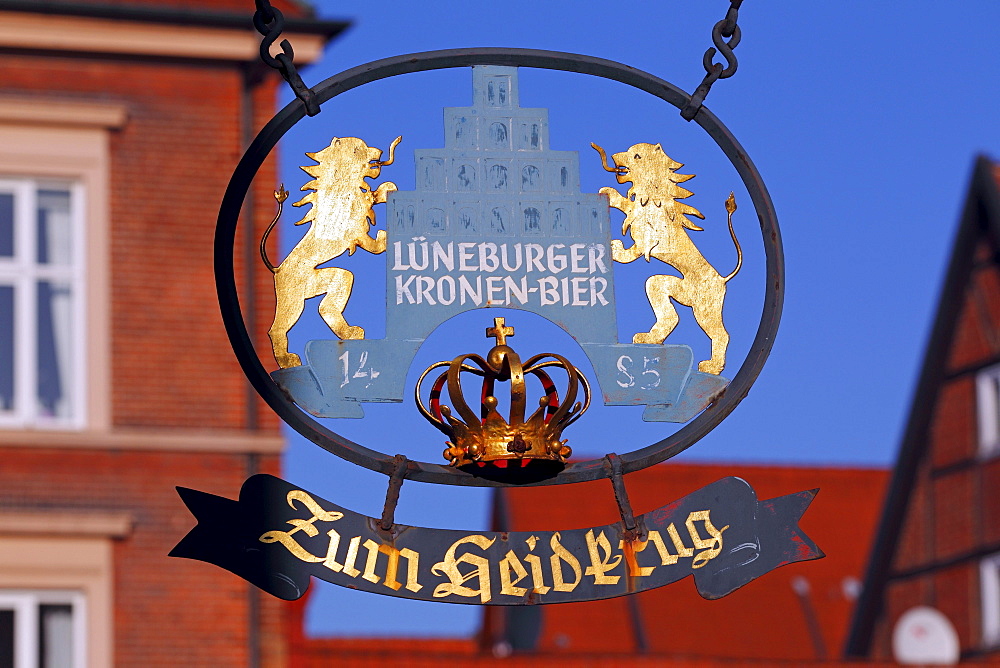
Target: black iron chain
724,30
269,22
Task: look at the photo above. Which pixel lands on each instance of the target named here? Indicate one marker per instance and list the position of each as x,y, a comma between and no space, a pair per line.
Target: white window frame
70,140
989,596
24,273
25,604
988,410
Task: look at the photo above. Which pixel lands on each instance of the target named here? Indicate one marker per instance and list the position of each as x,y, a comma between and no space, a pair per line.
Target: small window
989,593
988,410
41,629
41,304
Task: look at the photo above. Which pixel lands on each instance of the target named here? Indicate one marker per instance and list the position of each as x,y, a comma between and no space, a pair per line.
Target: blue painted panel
498,219
634,374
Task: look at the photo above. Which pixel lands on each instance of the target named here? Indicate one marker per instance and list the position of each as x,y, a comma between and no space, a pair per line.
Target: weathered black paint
756,537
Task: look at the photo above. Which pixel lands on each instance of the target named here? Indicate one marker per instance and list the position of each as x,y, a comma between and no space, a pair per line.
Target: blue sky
864,120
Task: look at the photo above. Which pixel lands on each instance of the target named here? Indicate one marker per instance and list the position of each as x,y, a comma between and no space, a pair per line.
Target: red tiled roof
765,619
416,654
762,623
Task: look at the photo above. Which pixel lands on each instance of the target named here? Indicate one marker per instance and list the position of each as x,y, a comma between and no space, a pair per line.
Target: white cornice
146,439
65,523
47,32
40,111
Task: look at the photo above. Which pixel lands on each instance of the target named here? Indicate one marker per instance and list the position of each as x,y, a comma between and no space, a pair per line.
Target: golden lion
340,218
657,221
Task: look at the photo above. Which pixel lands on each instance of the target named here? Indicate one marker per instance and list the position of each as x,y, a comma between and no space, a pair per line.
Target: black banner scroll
277,536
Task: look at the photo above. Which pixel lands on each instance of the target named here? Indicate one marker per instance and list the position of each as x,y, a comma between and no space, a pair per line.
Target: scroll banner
276,536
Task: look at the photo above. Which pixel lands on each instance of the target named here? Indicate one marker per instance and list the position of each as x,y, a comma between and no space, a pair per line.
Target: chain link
726,37
269,22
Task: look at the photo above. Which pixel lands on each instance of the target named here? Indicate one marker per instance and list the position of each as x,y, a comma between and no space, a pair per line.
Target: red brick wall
172,366
171,361
168,612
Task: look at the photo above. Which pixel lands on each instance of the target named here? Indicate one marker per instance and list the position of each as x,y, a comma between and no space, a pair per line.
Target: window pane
54,234
6,225
6,347
54,348
55,636
6,638
994,417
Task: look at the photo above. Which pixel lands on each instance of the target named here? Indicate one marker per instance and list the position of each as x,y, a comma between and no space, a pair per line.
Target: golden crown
488,437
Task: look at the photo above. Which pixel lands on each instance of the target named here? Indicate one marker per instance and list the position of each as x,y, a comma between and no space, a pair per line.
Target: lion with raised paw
340,219
658,224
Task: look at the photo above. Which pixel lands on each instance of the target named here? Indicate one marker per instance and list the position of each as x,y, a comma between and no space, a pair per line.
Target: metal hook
392,494
613,467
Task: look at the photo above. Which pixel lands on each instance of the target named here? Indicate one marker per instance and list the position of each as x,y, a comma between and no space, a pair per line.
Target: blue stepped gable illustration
498,219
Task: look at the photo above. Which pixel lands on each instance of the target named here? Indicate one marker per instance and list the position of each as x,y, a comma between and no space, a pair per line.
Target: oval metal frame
594,469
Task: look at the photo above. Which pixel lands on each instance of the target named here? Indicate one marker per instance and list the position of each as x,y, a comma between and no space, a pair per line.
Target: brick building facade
120,123
938,543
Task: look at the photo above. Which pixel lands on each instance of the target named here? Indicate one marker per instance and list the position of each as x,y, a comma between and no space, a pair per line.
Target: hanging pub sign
498,218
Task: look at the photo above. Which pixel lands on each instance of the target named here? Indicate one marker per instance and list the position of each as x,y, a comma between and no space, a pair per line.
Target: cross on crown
499,331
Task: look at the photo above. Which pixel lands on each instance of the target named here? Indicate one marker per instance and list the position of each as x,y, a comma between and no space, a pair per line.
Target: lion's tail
730,208
280,195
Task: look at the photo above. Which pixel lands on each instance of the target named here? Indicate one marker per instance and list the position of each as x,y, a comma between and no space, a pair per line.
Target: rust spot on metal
631,566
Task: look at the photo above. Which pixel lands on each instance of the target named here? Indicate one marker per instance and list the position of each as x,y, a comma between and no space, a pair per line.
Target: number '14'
360,371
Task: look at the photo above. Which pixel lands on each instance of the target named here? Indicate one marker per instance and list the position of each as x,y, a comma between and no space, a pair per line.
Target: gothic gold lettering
630,549
666,559
392,567
710,547
369,573
456,579
331,551
537,580
682,549
559,555
307,526
352,557
511,564
601,562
